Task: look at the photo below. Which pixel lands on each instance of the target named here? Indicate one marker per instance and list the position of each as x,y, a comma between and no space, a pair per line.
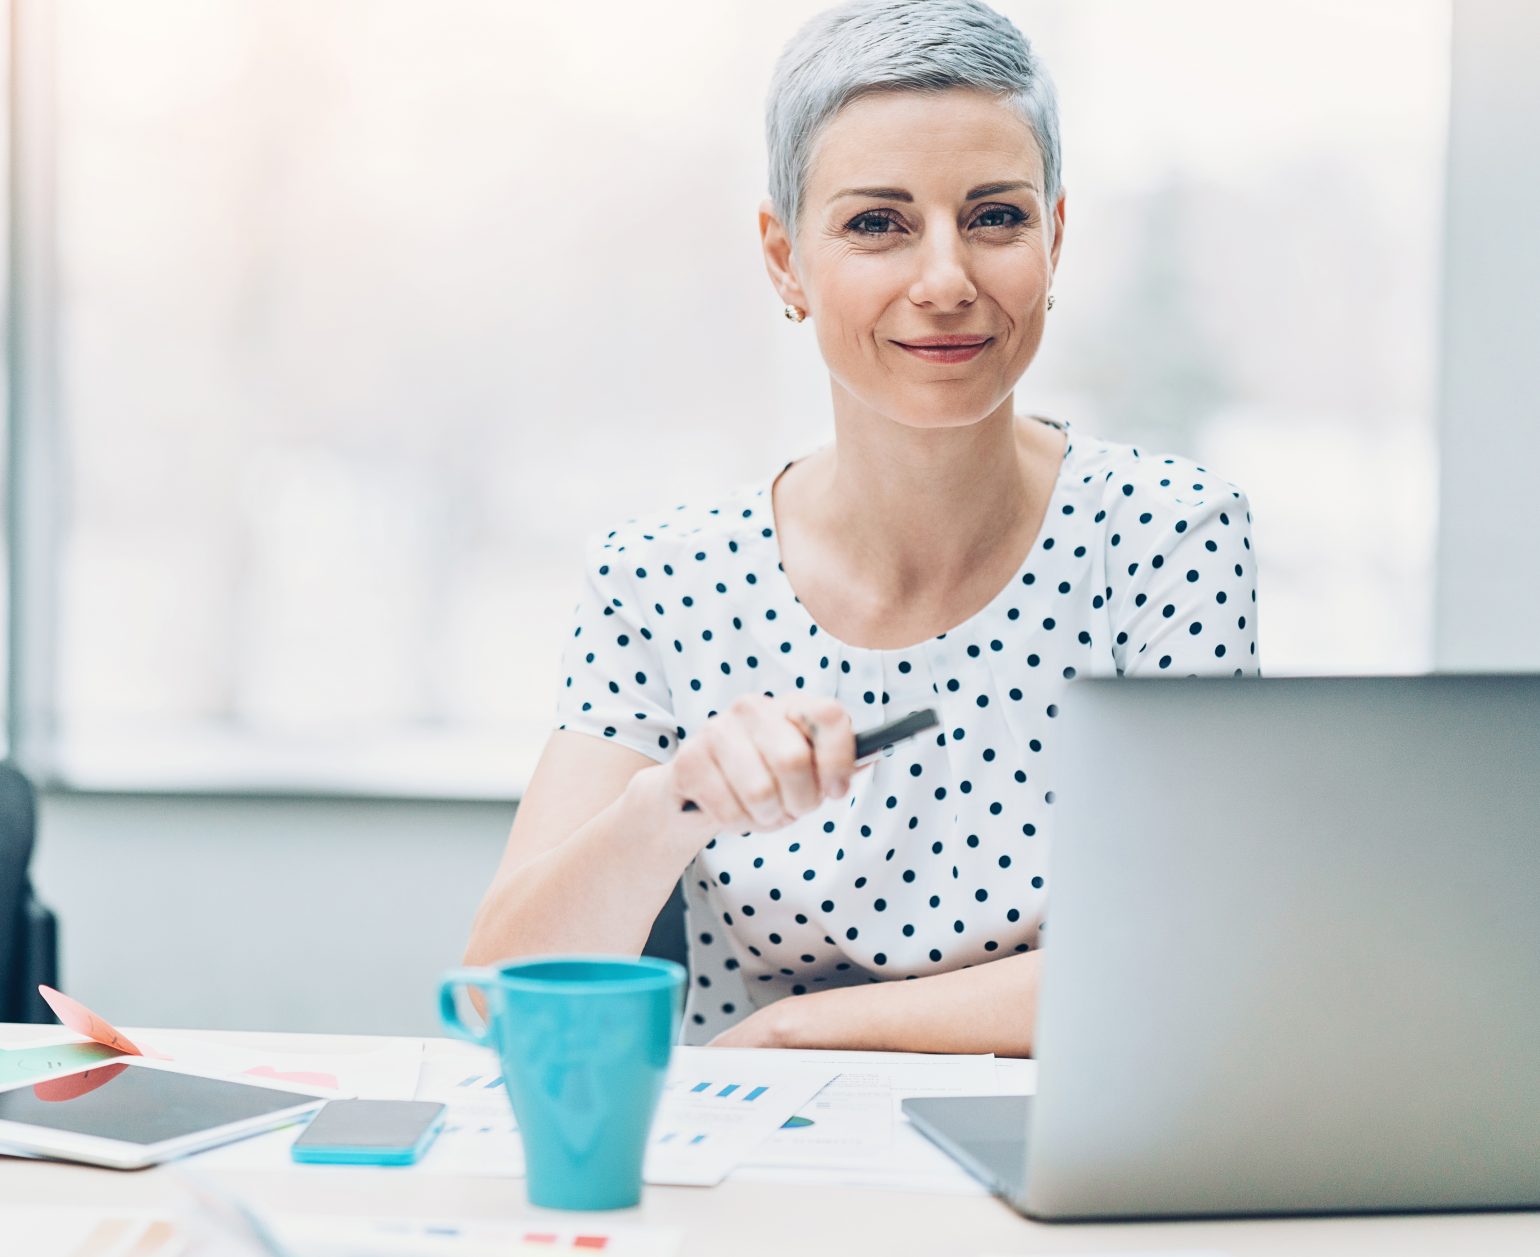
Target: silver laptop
1292,959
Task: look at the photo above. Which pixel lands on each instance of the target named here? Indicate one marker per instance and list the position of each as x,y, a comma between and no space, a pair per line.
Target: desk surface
746,1219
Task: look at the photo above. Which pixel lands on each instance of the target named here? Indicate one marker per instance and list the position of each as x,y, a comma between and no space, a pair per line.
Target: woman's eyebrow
994,189
898,194
876,194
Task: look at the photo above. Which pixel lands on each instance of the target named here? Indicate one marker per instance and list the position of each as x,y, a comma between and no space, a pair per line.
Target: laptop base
986,1135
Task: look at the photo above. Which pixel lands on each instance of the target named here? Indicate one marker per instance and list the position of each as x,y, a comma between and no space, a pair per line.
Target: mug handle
449,1006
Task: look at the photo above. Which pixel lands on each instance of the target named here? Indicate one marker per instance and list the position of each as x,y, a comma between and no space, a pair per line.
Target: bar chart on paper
703,1094
718,1105
481,1082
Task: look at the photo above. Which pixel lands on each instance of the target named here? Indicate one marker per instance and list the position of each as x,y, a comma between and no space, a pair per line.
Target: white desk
748,1219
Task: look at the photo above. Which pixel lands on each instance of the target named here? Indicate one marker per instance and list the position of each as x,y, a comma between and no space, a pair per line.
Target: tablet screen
138,1105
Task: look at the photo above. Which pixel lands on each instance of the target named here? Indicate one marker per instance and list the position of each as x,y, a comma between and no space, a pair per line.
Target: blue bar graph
496,1082
722,1093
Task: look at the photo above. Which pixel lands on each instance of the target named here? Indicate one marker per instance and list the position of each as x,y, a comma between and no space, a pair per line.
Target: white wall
1487,601
326,915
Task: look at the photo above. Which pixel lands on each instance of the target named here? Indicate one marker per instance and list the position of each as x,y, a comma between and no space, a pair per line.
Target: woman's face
922,255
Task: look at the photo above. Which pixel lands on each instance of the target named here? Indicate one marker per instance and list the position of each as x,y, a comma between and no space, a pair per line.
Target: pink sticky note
304,1078
82,1020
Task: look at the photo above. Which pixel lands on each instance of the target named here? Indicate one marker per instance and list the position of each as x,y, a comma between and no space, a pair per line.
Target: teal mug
584,1043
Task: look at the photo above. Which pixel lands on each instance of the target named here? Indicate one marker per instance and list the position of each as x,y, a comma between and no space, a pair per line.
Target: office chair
667,939
29,932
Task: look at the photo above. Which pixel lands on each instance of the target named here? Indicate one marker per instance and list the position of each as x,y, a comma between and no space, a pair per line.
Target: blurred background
337,326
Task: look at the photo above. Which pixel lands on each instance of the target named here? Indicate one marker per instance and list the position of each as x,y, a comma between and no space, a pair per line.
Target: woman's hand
989,1007
763,1028
765,761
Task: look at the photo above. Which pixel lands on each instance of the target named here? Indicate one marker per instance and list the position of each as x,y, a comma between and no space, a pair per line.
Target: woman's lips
946,348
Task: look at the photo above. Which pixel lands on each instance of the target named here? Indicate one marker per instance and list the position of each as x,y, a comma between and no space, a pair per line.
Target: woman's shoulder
698,531
1135,480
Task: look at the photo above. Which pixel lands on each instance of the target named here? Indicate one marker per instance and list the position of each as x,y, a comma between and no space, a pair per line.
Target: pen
878,741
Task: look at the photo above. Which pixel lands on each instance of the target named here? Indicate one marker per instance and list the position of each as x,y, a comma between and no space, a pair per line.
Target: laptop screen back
1293,948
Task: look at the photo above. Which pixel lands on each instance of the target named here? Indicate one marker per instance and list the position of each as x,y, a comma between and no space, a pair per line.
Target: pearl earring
794,314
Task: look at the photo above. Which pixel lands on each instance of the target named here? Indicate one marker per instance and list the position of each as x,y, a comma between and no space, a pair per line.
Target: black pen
879,741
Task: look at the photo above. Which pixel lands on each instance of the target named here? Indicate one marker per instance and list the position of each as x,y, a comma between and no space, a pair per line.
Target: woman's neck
916,511
893,535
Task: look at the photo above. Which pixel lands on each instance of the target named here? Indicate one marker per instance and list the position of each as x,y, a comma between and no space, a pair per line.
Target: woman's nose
943,282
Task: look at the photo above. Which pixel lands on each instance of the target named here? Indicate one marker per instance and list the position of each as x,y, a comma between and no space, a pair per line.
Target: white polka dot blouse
939,857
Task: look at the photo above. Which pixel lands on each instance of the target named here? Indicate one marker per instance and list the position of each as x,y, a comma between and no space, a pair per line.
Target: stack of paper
785,1116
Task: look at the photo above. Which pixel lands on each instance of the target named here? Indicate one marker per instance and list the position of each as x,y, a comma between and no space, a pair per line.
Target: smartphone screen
377,1124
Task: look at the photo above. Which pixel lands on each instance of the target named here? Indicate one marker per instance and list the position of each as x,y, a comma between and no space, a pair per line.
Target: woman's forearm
985,1008
596,892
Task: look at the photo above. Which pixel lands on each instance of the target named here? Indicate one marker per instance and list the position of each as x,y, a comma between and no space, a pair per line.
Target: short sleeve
613,684
1184,586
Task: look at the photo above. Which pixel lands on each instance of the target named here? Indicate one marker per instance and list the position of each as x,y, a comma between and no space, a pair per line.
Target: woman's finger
699,780
834,745
784,743
744,770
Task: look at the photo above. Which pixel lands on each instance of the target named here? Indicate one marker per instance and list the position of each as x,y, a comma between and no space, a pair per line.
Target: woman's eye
999,216
872,224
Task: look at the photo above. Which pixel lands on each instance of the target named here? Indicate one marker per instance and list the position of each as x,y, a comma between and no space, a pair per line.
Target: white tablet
133,1112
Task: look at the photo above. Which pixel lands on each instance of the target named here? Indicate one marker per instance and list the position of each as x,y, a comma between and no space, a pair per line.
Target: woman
940,552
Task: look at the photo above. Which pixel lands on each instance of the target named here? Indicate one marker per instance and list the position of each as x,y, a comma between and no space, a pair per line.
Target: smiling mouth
946,348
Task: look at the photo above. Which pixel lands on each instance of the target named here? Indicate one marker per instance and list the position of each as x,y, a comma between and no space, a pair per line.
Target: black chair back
29,932
667,939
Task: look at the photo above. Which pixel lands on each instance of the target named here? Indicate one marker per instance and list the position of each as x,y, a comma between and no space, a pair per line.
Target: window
366,313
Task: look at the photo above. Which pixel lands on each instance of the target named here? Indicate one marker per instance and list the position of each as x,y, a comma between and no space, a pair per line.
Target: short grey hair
869,46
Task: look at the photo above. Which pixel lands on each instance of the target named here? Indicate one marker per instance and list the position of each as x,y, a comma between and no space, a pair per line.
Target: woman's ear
1058,231
778,260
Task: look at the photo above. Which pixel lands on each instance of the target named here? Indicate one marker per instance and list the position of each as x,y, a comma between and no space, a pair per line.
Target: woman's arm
593,854
600,838
985,1008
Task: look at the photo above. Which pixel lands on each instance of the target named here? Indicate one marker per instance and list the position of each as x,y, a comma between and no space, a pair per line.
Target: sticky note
82,1020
